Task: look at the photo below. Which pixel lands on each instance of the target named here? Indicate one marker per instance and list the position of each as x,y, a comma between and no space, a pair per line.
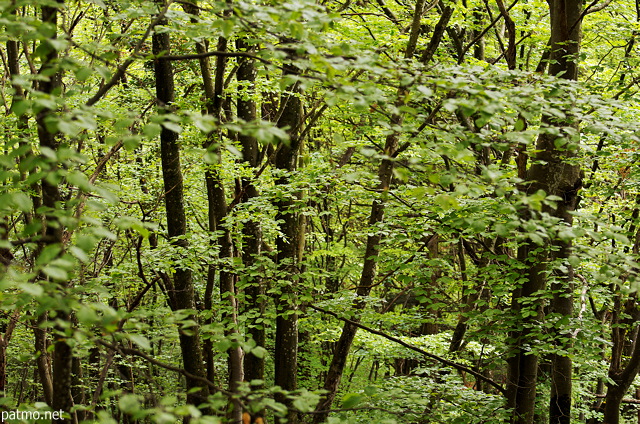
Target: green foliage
95,269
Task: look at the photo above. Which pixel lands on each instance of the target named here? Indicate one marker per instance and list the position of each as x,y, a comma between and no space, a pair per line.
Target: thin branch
440,359
217,53
592,8
484,31
122,68
388,13
510,52
148,358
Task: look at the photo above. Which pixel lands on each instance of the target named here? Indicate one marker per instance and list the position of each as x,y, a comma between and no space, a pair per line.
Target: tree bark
217,213
566,25
182,293
252,231
555,176
289,246
438,33
62,353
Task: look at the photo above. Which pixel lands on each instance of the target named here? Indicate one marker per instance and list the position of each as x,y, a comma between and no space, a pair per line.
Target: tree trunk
555,176
369,269
289,245
217,213
182,293
62,353
252,231
621,378
566,28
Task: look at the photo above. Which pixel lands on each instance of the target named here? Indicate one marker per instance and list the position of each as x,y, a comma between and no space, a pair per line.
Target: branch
440,359
388,13
631,401
216,53
438,32
592,8
415,29
363,408
510,53
122,69
136,352
484,31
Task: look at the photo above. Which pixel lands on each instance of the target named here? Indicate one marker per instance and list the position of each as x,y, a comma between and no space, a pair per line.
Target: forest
320,211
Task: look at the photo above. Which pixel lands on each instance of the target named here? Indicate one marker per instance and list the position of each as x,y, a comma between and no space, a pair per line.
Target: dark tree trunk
566,27
522,368
289,248
622,376
182,293
621,382
43,361
438,33
209,91
555,176
62,353
217,213
252,231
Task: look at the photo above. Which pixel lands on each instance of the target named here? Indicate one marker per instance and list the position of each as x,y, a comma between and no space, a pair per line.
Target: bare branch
440,359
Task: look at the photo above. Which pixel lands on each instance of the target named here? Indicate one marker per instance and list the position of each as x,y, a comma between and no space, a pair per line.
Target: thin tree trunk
369,269
40,334
217,213
438,33
43,360
620,379
4,343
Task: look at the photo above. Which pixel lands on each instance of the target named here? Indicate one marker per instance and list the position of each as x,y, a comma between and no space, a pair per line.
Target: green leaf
131,142
21,107
48,254
55,272
80,180
351,400
79,253
86,315
141,341
370,390
83,74
259,352
151,130
446,202
34,290
172,126
129,403
22,202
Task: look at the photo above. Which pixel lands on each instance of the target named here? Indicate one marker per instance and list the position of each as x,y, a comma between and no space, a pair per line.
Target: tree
373,211
179,288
